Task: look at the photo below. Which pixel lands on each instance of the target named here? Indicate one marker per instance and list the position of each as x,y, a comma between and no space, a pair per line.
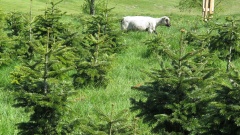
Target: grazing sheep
143,23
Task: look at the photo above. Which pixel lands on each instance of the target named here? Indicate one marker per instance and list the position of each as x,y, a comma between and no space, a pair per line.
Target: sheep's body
143,23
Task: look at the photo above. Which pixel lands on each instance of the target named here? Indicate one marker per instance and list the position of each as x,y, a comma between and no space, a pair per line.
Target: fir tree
15,23
92,69
222,115
52,19
173,101
96,50
109,123
104,23
42,89
5,42
226,42
154,46
42,84
18,25
222,112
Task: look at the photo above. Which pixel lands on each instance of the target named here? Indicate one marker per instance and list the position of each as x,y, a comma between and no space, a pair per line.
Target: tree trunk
92,7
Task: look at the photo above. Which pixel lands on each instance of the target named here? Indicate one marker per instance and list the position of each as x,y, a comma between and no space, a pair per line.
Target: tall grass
9,116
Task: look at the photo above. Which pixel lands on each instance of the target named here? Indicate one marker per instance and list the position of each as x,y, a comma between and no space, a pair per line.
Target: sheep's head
166,21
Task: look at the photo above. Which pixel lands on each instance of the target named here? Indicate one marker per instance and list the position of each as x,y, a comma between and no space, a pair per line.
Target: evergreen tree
173,101
104,23
96,50
92,70
51,19
226,42
20,31
155,46
42,88
221,112
18,26
109,123
15,23
42,83
5,46
222,115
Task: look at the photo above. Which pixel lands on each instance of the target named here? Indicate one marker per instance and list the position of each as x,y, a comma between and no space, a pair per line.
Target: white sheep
143,23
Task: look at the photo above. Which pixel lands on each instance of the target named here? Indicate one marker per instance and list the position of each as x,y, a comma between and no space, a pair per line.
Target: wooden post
208,9
211,7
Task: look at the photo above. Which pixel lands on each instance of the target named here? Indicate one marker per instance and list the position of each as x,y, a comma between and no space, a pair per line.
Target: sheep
143,23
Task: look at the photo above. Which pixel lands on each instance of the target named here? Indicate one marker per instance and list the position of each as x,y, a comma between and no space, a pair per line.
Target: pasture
128,67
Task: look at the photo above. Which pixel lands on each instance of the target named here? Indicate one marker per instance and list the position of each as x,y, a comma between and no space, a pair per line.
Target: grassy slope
127,66
122,7
70,6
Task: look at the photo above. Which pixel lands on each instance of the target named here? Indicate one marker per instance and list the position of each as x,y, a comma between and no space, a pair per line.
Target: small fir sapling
96,50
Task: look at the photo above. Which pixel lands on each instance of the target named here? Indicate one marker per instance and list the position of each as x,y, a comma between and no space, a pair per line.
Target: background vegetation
128,64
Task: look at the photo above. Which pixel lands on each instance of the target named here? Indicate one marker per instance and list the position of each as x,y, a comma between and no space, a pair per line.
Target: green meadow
122,7
128,67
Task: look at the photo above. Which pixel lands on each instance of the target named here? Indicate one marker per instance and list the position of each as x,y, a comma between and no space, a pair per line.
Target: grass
126,72
127,66
122,7
9,116
38,6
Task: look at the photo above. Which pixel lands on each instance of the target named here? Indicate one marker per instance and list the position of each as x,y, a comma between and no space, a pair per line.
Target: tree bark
92,7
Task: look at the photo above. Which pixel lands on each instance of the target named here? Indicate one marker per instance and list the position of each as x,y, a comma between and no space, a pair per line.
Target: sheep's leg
153,31
150,30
